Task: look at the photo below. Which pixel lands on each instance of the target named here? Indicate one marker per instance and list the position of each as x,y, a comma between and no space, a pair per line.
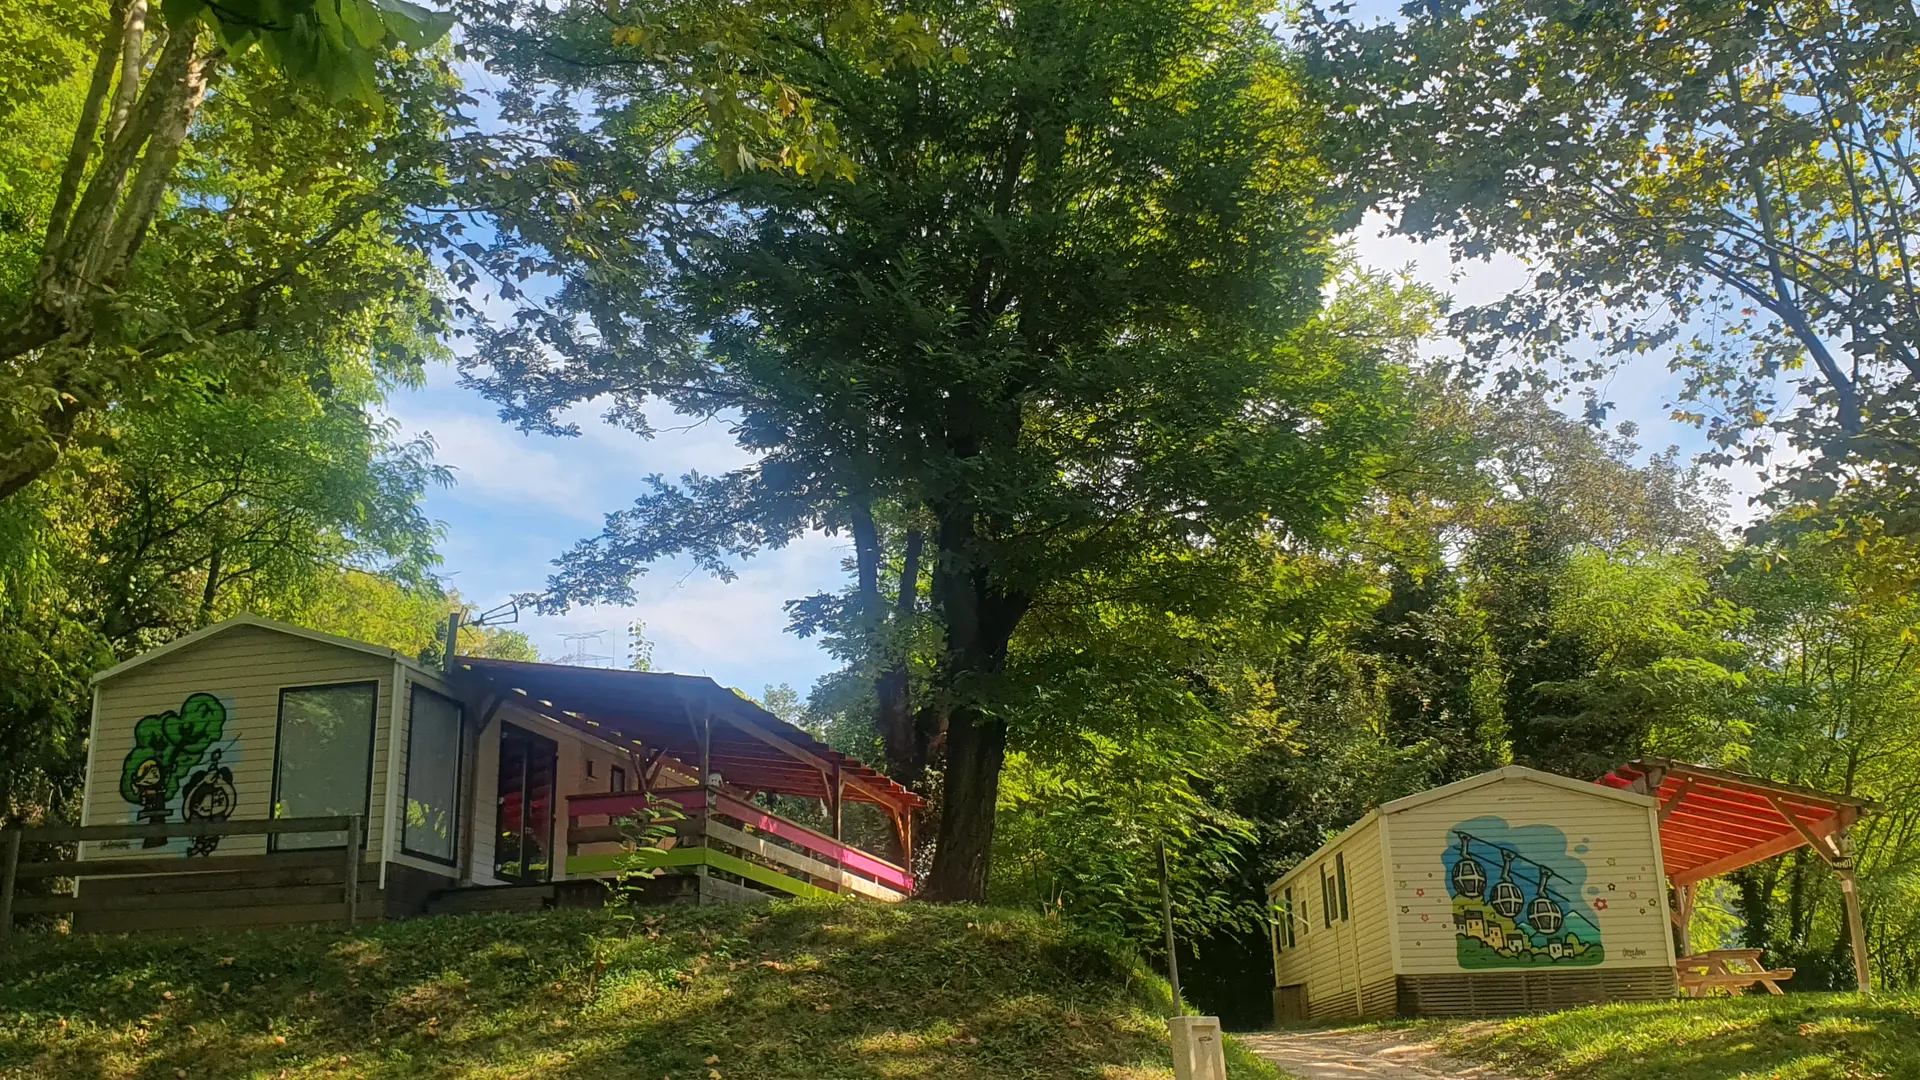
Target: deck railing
725,833
347,861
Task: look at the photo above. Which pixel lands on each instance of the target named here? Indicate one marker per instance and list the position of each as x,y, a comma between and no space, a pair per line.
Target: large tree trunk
976,748
906,749
980,618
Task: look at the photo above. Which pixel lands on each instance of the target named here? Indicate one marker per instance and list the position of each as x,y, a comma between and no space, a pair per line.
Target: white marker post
1199,1050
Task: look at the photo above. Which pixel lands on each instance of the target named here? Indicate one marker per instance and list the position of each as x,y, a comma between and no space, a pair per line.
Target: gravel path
1361,1055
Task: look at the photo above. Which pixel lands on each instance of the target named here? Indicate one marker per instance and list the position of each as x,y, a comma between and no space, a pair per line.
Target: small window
323,756
434,746
1288,904
617,780
1340,876
1326,897
589,768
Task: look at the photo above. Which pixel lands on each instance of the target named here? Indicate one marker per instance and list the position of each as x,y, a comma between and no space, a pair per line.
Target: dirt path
1361,1055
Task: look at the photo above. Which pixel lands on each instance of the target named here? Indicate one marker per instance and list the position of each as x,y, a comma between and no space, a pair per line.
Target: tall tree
1067,310
1730,184
257,245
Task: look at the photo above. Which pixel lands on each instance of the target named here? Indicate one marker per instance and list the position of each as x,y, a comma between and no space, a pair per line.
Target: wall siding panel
246,667
1348,968
1614,840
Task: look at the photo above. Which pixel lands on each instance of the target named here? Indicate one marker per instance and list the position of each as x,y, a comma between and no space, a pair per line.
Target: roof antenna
499,615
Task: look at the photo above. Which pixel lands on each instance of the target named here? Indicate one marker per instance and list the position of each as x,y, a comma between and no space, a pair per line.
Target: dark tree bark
906,744
980,617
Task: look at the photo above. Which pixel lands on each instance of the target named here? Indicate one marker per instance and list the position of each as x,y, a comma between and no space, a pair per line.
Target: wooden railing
12,871
730,834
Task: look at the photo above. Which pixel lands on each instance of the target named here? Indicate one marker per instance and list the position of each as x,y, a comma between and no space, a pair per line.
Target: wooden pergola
694,721
1713,822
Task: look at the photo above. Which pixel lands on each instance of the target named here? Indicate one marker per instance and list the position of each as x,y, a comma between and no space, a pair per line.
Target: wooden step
475,899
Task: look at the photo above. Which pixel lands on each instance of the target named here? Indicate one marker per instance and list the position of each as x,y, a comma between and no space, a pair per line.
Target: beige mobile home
1505,892
490,784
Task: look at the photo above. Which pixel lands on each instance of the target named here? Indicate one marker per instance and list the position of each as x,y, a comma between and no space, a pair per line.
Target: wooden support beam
1667,808
1850,895
834,790
1778,846
1816,840
1683,918
352,870
878,795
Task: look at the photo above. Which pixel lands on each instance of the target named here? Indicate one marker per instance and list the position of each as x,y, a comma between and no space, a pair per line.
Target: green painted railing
687,857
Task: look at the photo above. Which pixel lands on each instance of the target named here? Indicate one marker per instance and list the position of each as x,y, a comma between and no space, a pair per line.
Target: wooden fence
214,890
733,836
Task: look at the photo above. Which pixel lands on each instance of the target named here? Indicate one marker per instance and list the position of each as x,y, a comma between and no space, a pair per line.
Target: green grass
1796,1037
791,991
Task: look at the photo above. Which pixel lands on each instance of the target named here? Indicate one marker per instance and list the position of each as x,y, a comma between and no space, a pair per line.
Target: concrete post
1199,1048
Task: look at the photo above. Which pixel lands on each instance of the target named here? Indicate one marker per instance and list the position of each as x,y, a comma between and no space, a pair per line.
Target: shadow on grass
798,991
1797,1037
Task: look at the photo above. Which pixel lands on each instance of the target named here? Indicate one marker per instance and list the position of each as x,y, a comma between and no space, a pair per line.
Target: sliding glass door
523,832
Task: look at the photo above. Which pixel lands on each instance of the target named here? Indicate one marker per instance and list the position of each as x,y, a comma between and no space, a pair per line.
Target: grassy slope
1797,1037
789,992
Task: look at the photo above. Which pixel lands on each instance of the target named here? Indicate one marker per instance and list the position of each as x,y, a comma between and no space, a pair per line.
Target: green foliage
1726,185
238,464
267,226
1069,314
793,990
333,44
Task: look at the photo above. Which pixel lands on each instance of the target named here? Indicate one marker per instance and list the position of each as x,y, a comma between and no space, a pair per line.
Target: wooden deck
727,840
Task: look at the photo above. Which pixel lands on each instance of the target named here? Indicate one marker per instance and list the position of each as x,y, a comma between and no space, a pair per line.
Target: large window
322,757
432,825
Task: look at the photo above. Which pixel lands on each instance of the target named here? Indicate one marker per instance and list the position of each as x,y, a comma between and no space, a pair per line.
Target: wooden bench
1732,970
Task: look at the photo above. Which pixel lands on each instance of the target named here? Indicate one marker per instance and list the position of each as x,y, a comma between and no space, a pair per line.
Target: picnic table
1732,970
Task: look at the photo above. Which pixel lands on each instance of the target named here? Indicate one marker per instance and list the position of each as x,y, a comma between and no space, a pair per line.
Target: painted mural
181,769
1518,897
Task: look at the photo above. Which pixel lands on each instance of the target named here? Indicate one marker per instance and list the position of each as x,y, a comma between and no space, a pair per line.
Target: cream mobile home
489,783
1505,892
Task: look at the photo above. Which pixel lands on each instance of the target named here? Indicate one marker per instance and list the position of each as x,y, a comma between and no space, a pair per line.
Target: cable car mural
1510,924
1467,877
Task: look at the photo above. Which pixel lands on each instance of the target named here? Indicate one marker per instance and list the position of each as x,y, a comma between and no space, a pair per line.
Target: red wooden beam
1779,846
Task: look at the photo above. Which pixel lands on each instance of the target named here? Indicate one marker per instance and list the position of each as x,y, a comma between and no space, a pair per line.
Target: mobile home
491,779
1505,892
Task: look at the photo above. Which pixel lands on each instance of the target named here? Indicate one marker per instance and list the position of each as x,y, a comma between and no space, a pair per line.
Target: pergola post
835,791
706,786
1683,919
1850,895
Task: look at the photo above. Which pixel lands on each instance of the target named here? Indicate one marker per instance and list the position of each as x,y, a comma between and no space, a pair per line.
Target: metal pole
453,641
1166,913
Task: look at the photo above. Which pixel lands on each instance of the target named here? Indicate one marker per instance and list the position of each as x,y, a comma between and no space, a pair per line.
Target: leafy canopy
1727,185
1066,314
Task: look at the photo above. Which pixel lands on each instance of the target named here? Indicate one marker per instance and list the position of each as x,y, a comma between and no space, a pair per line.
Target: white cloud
496,465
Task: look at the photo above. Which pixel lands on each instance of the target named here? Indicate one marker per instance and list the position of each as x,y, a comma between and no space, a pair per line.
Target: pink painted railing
692,799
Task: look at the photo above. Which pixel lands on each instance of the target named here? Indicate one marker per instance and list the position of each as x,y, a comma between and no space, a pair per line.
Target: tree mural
166,748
